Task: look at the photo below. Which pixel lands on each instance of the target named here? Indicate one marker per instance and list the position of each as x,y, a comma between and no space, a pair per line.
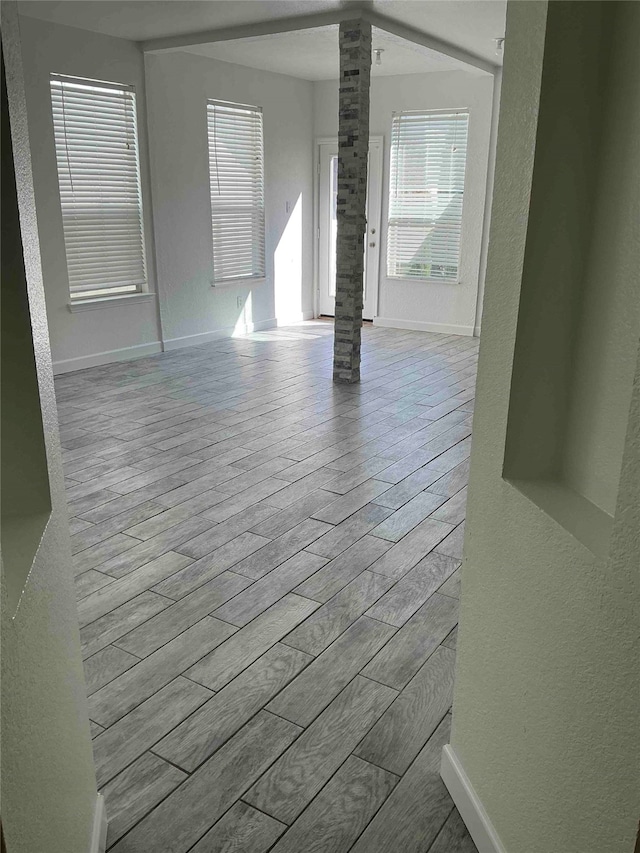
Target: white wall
438,307
545,712
178,86
125,329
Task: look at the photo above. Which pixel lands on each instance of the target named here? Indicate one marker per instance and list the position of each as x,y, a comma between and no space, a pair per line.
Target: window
426,187
99,178
236,177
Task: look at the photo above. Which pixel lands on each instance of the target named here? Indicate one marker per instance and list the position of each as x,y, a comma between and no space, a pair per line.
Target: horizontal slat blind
99,178
428,158
236,176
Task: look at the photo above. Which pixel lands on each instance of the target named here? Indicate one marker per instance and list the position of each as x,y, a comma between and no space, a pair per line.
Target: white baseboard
218,334
142,350
300,317
468,804
417,326
80,362
99,833
476,331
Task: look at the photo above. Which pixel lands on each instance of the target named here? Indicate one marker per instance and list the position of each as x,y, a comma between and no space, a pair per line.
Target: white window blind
236,177
428,158
99,178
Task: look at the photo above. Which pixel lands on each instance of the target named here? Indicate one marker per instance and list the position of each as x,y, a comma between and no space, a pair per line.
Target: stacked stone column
353,149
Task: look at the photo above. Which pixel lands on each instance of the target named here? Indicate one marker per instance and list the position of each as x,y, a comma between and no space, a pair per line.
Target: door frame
333,140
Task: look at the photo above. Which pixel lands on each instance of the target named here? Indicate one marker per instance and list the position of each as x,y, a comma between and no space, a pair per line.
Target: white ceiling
468,24
313,54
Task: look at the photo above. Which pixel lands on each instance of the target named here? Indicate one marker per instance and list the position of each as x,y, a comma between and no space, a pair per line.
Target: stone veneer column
353,149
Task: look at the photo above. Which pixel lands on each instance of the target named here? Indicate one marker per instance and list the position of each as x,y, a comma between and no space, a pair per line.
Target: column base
346,377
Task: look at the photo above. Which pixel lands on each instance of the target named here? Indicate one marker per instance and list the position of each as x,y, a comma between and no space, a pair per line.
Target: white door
327,228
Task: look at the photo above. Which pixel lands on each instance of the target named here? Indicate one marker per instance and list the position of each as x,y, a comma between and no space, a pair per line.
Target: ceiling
468,24
313,54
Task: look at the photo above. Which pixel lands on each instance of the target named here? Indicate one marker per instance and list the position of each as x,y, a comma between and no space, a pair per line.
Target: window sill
109,301
232,282
406,278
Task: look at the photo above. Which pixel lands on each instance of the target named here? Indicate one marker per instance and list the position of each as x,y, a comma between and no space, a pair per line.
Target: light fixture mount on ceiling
499,43
378,51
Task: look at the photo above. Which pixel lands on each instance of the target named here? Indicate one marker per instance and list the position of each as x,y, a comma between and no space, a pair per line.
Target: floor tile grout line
244,411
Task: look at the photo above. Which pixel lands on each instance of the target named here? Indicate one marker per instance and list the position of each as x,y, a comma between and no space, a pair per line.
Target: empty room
258,258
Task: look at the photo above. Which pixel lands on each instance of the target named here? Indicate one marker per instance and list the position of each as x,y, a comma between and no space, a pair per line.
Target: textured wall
351,207
48,780
545,708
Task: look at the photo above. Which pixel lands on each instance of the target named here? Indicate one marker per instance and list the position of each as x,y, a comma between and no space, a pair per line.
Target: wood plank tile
104,666
263,593
409,722
155,632
114,504
120,696
412,548
456,454
189,812
162,520
77,525
95,533
405,653
139,480
220,534
90,581
252,478
413,485
341,810
354,500
349,531
258,564
329,621
417,808
184,492
339,572
451,587
109,597
454,510
453,837
451,640
98,555
453,544
404,467
345,482
118,622
147,550
141,728
411,591
295,778
242,829
294,492
264,491
199,736
310,693
249,436
407,517
136,790
222,665
285,519
196,574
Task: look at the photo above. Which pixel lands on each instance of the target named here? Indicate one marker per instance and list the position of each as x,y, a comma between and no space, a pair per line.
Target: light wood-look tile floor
267,569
